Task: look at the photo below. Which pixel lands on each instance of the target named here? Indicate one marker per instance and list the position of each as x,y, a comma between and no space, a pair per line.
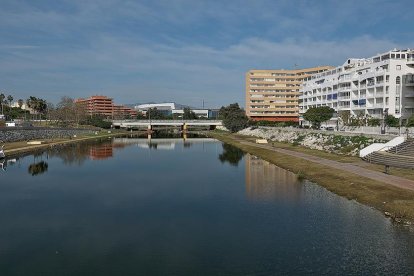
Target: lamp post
384,116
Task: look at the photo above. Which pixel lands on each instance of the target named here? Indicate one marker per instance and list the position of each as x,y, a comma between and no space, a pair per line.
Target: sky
186,51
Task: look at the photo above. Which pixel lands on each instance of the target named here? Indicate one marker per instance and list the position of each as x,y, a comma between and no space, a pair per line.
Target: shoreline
52,142
394,202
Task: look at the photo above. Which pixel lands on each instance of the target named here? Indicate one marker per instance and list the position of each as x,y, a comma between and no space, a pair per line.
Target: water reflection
265,181
3,164
38,168
72,154
101,152
161,143
231,155
184,212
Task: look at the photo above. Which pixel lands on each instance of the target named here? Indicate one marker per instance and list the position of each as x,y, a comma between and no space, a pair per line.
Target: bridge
149,124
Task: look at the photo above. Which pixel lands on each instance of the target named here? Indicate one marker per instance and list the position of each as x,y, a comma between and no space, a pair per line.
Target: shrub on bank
97,121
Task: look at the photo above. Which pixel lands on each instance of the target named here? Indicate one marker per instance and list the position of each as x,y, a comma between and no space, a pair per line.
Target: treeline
12,112
66,113
155,114
366,120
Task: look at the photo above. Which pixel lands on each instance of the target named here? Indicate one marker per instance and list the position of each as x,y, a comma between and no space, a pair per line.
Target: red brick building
102,105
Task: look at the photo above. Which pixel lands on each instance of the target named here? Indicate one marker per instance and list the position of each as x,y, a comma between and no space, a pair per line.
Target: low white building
160,106
172,108
199,112
369,87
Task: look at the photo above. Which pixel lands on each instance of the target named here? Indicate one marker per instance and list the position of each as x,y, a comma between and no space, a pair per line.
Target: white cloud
114,46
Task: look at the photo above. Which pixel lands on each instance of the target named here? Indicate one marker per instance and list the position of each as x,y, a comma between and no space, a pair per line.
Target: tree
65,110
391,121
374,122
37,104
98,121
345,117
410,121
189,114
2,97
10,99
20,102
140,115
155,114
318,115
234,118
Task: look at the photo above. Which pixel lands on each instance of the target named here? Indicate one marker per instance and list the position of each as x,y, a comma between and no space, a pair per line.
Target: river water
168,207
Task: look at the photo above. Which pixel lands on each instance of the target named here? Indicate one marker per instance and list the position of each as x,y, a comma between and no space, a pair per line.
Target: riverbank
340,143
398,203
20,147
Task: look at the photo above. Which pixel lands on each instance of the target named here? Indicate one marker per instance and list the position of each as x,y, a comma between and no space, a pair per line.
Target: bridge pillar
185,127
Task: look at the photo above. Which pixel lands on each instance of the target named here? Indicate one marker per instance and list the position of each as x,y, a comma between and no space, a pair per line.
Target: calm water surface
129,207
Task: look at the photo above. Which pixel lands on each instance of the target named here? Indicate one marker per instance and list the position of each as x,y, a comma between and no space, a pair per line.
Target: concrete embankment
329,141
25,134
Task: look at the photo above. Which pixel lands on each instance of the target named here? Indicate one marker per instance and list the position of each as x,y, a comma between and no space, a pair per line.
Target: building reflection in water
100,152
265,181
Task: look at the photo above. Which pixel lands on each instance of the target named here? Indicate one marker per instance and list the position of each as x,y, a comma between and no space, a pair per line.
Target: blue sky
185,51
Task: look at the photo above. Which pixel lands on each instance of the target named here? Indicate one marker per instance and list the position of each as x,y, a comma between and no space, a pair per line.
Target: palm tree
10,99
37,104
2,97
20,103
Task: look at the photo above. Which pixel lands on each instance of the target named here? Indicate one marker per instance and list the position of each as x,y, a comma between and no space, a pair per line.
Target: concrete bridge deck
176,123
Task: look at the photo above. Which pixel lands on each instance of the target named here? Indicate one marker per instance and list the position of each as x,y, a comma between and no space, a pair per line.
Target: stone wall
330,141
14,134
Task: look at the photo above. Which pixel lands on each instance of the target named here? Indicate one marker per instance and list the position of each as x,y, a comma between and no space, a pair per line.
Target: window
398,67
398,80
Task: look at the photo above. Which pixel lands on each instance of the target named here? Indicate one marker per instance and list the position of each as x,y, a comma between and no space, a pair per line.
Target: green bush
97,121
391,121
234,118
410,121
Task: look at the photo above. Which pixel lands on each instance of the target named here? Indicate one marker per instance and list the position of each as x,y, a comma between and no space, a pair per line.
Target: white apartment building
371,87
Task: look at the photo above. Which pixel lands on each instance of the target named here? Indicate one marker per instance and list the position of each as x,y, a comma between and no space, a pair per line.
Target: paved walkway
374,175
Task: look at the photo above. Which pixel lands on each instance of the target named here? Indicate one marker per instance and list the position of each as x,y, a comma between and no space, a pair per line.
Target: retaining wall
25,134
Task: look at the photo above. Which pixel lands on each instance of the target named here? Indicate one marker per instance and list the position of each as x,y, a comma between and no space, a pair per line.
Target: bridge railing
127,123
166,121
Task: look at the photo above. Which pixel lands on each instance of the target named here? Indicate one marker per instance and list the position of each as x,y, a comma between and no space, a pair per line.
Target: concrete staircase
400,156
